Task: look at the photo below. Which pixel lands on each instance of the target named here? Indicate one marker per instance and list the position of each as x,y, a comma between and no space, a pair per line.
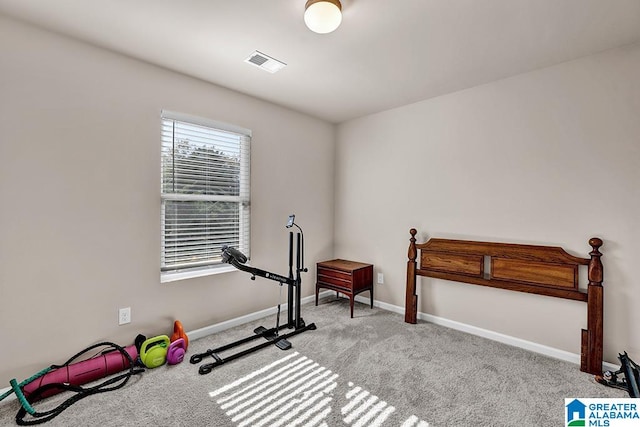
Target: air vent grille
258,59
265,62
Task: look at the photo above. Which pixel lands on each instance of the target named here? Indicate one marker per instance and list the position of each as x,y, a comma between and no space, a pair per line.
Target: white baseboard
218,327
485,333
228,324
9,398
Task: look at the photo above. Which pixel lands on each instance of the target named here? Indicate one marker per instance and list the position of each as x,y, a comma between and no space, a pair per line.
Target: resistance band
110,384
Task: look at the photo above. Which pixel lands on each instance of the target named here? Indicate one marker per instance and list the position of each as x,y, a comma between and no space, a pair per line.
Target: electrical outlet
124,316
380,278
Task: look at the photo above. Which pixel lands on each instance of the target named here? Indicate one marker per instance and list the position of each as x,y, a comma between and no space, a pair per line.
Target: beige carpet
373,370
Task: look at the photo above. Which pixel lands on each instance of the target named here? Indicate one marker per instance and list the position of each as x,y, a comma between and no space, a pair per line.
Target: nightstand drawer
329,272
328,280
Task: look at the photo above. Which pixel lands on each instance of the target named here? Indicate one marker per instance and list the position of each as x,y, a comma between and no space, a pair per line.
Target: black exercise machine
629,369
294,321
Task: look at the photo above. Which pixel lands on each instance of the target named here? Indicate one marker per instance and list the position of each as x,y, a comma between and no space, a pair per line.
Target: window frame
244,197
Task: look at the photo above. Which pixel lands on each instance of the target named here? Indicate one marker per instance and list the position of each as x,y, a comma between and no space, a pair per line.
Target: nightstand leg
351,304
371,297
316,296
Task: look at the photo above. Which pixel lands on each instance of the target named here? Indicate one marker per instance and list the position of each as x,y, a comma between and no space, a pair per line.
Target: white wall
547,157
80,198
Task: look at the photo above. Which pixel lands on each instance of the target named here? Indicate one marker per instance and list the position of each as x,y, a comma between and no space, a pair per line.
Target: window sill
175,276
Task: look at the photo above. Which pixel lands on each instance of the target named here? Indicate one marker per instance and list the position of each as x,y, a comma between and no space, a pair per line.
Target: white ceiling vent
265,62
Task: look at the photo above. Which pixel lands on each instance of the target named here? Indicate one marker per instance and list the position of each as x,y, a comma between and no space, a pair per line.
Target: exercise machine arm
236,258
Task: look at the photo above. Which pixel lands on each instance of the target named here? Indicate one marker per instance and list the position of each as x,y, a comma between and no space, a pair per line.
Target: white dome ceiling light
323,16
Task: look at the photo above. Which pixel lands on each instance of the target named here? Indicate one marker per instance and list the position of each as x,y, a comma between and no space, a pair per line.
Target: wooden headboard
542,270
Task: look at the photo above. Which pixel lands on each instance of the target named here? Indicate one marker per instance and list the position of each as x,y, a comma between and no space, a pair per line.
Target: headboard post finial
412,246
595,265
411,298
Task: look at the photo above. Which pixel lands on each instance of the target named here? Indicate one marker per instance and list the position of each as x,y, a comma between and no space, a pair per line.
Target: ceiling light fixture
323,16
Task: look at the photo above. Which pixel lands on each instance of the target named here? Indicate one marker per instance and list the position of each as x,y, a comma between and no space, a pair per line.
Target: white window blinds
205,191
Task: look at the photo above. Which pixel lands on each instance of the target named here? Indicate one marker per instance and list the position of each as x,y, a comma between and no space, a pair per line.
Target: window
205,194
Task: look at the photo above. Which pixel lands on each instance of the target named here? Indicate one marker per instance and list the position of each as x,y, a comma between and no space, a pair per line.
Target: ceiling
386,53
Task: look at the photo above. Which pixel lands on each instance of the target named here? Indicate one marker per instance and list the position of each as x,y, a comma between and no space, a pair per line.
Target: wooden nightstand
347,277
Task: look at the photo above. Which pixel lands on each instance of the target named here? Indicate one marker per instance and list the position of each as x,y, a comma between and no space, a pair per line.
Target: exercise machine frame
630,380
294,320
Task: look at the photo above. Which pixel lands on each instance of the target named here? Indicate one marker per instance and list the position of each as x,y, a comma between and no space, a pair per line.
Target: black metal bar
298,282
262,273
205,369
197,358
290,290
291,254
631,377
